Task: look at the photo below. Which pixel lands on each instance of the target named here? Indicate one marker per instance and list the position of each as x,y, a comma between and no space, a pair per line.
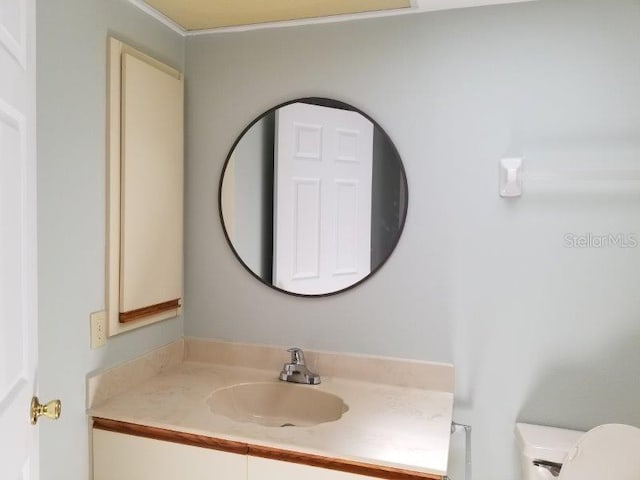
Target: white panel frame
343,132
355,185
14,119
297,274
16,46
309,128
114,75
26,471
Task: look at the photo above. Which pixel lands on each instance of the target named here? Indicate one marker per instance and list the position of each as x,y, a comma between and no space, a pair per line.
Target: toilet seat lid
608,451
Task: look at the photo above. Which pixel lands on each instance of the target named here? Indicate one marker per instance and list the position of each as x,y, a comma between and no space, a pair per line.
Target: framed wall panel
145,189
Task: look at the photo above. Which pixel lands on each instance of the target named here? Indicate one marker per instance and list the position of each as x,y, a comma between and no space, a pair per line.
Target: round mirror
313,197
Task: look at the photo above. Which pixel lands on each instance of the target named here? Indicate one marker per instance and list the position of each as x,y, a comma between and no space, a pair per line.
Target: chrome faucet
296,371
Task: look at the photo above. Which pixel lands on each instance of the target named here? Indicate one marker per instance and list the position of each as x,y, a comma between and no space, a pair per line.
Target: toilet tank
548,444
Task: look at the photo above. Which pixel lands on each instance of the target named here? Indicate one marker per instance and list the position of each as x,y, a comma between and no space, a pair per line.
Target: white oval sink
277,404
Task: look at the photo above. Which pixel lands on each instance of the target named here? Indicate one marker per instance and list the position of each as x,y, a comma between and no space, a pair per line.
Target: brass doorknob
50,410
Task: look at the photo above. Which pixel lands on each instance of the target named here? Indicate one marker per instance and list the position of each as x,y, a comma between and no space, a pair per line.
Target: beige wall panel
151,185
116,51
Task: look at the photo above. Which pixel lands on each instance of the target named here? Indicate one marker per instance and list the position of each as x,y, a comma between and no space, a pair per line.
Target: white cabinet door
125,457
264,469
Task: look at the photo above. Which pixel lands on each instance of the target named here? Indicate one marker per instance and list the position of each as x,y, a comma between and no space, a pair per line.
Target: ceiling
207,14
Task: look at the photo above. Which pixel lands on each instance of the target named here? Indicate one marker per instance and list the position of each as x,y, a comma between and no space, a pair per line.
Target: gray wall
537,331
253,236
72,44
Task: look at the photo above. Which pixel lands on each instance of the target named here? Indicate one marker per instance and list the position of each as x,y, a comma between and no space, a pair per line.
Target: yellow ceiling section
204,14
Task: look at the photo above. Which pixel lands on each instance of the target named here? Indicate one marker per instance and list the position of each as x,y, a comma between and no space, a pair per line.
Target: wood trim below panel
204,441
139,313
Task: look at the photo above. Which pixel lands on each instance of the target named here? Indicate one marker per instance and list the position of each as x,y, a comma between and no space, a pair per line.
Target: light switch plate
98,329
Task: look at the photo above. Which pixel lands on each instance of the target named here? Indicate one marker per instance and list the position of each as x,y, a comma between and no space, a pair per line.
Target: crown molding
149,10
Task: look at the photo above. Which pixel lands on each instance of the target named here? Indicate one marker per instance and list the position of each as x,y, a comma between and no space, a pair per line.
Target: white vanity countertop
386,425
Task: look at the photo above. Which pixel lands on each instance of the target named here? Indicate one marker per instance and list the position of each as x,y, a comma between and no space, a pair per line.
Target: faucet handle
297,355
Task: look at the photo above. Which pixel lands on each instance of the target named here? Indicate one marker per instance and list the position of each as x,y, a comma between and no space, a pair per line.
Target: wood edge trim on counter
349,466
139,313
170,436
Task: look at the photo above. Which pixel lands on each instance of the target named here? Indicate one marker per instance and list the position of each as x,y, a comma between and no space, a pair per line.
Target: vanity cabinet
267,469
118,456
389,432
126,457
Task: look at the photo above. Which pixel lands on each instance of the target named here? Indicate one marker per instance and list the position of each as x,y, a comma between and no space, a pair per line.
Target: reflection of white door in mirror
322,198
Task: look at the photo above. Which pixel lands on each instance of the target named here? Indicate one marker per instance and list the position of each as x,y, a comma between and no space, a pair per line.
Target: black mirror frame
318,101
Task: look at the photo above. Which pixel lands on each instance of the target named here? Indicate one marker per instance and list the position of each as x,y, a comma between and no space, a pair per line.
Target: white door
18,279
322,198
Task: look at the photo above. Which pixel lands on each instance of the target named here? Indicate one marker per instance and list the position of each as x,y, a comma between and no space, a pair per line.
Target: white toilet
606,452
